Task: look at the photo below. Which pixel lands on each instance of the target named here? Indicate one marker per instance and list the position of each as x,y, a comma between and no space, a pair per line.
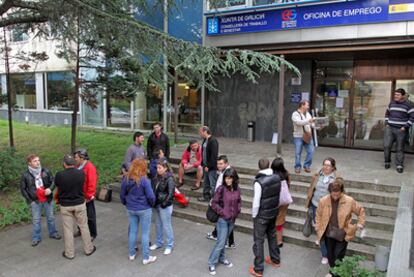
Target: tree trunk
76,96
9,98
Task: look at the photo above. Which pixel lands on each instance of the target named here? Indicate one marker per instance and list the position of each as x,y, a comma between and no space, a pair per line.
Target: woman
227,203
334,221
318,189
138,198
278,168
164,187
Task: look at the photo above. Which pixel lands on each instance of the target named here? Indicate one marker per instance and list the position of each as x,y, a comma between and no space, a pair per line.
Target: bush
350,266
17,212
11,167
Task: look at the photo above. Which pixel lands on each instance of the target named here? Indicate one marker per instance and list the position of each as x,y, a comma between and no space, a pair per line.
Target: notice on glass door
339,102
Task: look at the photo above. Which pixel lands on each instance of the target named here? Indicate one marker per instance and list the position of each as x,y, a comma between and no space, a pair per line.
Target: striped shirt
400,114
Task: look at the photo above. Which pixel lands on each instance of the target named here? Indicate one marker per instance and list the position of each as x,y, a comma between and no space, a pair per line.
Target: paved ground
18,258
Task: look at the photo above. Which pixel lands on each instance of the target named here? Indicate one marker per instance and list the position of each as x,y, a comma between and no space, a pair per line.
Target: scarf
82,165
37,173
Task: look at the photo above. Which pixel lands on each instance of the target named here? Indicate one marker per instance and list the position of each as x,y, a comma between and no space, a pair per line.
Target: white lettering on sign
343,13
316,15
363,11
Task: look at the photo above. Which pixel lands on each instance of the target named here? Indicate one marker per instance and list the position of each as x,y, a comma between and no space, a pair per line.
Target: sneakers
131,258
387,165
167,251
202,199
227,263
272,263
212,270
154,247
150,260
210,236
35,243
324,260
231,246
400,169
56,236
254,273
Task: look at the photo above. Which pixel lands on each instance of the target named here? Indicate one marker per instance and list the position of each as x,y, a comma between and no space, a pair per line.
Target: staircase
379,200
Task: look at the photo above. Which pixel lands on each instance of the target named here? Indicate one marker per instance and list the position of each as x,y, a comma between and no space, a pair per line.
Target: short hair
206,129
302,103
332,160
337,185
223,158
137,134
82,153
155,124
31,157
263,163
68,159
400,90
192,141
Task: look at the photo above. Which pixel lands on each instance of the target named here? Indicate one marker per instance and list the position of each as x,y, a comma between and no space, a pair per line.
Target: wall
40,117
240,101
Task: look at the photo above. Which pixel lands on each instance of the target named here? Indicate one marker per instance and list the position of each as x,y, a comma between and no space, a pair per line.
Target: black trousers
263,228
91,213
336,250
391,135
230,241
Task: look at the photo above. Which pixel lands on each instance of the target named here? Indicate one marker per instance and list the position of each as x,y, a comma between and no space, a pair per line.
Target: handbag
307,136
307,226
211,214
335,233
105,194
284,197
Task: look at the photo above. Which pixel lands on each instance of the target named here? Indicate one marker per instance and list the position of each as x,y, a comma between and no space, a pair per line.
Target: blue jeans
310,148
135,217
322,244
36,219
224,228
210,180
164,227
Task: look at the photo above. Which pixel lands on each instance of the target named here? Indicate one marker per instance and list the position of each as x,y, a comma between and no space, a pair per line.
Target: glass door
371,99
408,86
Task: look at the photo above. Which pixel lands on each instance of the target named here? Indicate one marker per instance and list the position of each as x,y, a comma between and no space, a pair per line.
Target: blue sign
295,97
344,13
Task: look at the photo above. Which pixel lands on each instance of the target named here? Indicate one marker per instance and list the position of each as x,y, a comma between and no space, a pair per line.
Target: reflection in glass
60,91
408,86
119,113
23,90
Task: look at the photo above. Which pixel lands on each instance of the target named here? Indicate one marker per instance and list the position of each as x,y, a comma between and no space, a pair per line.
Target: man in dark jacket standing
72,205
36,186
158,140
264,211
210,152
398,119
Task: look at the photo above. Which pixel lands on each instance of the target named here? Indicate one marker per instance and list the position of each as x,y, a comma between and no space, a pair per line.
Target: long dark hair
278,168
232,173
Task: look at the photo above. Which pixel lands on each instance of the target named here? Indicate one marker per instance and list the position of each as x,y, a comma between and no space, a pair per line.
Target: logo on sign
212,26
289,18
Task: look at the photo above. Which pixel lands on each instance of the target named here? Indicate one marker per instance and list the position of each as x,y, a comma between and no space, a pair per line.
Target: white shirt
258,192
220,178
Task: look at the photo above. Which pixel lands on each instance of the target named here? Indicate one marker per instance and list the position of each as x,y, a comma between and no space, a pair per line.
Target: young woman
227,203
164,187
278,168
334,221
138,198
319,189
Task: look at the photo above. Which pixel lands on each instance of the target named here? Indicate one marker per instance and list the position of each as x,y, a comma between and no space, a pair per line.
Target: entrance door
408,86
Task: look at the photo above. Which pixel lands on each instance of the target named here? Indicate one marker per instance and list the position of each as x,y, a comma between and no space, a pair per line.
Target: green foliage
11,168
17,212
350,266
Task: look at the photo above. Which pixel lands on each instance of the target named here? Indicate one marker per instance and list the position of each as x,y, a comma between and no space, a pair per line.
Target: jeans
36,219
164,227
392,134
135,217
322,244
310,148
230,241
336,250
264,228
210,180
224,228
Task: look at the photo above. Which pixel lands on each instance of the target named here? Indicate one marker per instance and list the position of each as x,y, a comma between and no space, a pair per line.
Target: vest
269,201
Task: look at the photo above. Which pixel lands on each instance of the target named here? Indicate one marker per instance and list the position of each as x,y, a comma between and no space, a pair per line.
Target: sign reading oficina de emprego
343,13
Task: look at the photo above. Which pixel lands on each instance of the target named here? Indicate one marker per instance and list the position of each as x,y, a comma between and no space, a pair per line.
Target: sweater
91,178
137,197
400,114
70,186
135,151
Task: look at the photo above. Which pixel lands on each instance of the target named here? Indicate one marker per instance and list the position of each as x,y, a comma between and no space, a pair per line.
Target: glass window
219,4
23,90
19,33
267,2
118,112
60,90
189,104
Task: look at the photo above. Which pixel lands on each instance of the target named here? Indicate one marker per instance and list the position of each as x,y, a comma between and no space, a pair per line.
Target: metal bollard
250,131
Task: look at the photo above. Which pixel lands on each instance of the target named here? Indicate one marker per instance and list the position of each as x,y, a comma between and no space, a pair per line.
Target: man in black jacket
36,186
158,140
72,205
210,153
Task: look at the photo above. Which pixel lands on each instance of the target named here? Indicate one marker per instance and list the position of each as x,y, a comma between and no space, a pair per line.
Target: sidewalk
189,258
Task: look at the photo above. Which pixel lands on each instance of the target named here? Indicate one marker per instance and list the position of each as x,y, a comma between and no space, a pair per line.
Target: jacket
91,178
155,142
185,158
28,186
164,188
212,151
227,203
269,200
137,196
347,205
312,187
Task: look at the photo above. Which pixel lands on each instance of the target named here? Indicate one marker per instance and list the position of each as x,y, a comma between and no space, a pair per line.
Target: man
302,121
36,186
398,119
222,166
264,212
158,140
70,183
209,154
191,163
89,189
135,151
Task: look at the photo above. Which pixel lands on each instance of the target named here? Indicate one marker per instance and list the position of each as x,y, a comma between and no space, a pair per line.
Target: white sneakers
150,260
154,247
131,258
167,251
324,260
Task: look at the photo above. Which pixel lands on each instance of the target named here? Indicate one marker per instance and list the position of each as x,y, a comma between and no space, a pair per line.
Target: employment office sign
344,13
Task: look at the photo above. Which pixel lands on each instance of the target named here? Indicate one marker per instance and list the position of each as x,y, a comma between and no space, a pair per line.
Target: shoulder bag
105,194
211,214
284,198
307,136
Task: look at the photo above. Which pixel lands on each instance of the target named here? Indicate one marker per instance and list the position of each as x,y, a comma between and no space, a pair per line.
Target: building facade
352,56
